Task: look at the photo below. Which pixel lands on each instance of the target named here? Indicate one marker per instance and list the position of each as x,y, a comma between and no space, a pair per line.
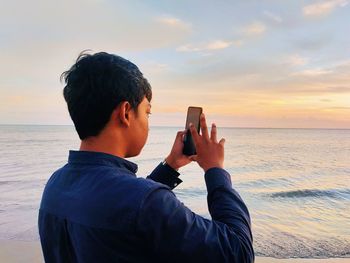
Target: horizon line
165,126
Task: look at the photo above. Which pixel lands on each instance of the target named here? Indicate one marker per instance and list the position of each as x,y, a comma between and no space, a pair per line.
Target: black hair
96,84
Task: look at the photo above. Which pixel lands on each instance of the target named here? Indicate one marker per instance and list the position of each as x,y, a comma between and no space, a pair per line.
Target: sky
274,64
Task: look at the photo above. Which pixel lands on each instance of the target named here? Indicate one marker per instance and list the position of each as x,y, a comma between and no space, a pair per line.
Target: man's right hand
210,152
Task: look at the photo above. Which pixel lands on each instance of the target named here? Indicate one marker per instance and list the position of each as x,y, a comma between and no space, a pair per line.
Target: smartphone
193,115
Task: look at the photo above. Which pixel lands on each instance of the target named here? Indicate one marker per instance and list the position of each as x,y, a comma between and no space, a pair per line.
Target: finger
194,133
179,135
213,133
222,141
204,127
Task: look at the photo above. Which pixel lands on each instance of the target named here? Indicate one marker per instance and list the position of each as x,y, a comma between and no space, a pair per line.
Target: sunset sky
247,63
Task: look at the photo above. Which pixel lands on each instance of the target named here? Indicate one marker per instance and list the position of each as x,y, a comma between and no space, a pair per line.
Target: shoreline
301,260
16,251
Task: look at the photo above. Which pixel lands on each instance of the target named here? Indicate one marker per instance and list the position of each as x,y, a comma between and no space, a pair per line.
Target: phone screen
193,115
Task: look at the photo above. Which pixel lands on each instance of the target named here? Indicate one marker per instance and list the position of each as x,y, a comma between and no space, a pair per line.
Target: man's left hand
176,158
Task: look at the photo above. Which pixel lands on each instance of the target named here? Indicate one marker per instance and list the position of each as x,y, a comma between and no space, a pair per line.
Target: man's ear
123,114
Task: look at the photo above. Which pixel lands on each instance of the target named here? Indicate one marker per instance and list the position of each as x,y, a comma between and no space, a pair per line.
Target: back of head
96,84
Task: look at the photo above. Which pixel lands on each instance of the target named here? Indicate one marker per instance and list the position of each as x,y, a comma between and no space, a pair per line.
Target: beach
12,251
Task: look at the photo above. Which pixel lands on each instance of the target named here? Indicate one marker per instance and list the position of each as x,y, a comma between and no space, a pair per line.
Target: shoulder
103,176
120,184
106,197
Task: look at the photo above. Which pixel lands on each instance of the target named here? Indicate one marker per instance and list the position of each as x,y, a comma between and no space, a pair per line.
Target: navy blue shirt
95,209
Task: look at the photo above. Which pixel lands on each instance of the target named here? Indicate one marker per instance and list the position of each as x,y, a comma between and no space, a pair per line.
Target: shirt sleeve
164,174
175,234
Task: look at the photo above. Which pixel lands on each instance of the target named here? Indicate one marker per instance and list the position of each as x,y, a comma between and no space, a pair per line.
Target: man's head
103,88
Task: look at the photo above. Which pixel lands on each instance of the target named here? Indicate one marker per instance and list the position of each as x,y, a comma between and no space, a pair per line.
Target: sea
295,182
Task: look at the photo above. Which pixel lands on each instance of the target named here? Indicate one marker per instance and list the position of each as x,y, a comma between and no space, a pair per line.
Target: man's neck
97,144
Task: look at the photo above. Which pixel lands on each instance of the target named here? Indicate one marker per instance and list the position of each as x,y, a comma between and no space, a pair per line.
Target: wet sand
12,251
301,260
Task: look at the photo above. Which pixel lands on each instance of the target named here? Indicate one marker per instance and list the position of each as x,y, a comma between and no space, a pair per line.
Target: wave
330,193
10,182
191,192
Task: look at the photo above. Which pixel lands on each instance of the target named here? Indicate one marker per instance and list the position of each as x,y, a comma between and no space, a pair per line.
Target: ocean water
295,182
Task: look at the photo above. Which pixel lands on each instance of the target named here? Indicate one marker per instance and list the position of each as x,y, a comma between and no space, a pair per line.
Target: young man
95,209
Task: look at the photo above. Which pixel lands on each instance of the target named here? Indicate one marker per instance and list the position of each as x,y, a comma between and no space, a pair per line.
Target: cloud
296,60
214,45
312,72
256,28
339,108
188,48
173,22
219,44
323,8
238,43
272,16
109,25
314,42
154,67
322,90
339,89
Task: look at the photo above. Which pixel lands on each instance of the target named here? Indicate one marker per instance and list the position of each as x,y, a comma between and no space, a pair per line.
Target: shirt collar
86,157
